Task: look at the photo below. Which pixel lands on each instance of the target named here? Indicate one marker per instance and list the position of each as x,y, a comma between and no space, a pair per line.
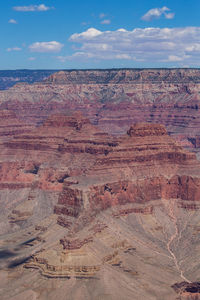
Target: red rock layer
142,130
38,157
115,99
11,125
101,197
142,166
93,171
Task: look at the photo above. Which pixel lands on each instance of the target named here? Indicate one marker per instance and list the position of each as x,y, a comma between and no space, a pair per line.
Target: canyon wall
115,99
78,203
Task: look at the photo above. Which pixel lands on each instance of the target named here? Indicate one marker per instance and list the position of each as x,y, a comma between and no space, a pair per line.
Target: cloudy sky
61,34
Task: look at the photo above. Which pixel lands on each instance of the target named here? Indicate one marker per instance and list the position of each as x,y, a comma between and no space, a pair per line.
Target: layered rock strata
10,125
81,203
115,99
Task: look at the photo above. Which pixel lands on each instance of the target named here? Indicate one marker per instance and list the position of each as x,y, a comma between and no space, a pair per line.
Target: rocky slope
88,215
115,99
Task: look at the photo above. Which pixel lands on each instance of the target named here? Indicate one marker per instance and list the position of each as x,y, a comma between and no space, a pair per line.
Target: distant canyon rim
115,99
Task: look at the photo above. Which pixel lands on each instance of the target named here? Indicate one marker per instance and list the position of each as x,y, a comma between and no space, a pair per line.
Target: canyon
100,186
115,99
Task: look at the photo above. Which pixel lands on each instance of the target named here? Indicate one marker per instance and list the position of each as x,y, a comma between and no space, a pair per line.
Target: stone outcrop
188,291
62,265
75,244
143,130
97,197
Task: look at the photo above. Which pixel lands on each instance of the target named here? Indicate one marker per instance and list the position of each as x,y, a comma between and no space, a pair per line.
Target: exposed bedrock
11,125
96,198
115,99
188,291
125,76
79,203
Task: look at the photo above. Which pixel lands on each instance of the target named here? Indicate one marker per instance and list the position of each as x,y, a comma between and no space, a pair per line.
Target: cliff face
125,76
129,169
90,169
115,99
72,146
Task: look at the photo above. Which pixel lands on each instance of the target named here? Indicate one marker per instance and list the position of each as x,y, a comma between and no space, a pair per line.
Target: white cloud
141,44
177,58
46,47
156,13
90,33
122,30
169,15
14,49
41,7
106,22
12,21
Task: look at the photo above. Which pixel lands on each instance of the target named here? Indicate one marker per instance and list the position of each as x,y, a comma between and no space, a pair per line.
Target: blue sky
61,34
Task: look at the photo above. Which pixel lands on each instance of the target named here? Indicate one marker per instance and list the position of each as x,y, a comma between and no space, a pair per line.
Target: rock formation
105,216
11,125
189,291
82,204
115,99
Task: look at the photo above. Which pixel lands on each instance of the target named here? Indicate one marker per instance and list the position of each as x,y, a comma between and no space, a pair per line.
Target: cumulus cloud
14,49
46,47
12,21
106,22
141,44
40,7
156,13
90,33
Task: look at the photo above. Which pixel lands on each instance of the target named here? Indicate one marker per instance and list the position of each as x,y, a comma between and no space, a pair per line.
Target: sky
80,34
